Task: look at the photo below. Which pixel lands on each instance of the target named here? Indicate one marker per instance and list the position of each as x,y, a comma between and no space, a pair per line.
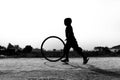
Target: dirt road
40,69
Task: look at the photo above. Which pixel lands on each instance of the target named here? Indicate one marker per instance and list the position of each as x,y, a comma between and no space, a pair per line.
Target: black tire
42,51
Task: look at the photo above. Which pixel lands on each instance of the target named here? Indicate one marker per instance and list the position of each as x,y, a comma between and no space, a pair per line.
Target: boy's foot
85,61
65,60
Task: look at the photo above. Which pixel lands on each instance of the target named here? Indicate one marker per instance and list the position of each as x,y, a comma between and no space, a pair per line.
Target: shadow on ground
105,72
95,69
88,67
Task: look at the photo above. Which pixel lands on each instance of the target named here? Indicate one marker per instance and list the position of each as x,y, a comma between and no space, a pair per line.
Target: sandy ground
41,69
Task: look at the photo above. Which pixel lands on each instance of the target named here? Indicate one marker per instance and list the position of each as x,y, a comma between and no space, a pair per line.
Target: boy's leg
66,52
79,51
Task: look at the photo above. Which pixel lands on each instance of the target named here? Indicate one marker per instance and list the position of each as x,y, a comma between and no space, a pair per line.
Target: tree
99,48
2,50
102,50
106,50
27,49
10,50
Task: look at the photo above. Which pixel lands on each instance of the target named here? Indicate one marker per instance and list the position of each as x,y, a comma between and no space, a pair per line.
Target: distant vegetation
28,52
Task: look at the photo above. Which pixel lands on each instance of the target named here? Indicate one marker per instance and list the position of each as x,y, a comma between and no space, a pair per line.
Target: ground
41,69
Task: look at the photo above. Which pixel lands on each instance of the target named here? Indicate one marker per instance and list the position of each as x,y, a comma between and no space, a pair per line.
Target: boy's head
67,21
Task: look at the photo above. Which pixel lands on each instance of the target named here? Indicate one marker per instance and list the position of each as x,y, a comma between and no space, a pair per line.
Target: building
115,48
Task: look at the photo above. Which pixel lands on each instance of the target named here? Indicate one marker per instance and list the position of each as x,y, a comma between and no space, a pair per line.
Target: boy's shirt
69,34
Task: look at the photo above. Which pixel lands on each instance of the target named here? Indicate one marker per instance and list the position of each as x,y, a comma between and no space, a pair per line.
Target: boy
71,42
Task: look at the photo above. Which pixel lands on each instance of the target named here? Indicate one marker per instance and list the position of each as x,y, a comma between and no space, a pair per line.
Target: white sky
29,22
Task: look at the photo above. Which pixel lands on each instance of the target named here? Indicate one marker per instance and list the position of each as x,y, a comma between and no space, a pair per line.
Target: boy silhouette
71,42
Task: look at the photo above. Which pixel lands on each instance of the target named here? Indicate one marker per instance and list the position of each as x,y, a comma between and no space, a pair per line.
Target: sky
29,22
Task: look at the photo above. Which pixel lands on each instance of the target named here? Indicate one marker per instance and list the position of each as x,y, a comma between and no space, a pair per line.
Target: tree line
29,51
15,50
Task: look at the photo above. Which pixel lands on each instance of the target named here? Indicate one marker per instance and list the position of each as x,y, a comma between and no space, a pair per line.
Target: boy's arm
67,34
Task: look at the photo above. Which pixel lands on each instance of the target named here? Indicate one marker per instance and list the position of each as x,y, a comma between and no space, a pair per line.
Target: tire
43,52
